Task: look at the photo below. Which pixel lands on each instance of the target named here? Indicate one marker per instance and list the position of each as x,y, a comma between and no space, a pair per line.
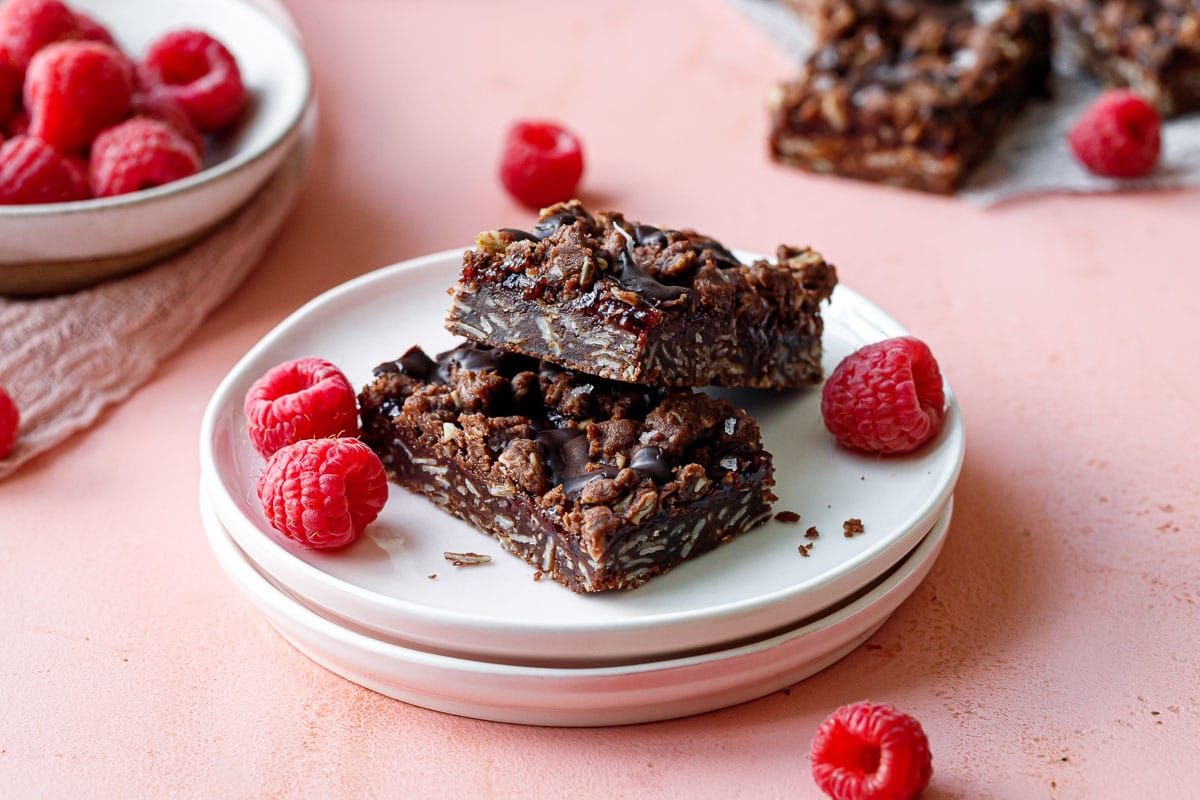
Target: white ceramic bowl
60,246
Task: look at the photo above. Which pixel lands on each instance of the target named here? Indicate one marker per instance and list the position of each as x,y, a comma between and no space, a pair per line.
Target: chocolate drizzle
545,228
468,356
566,451
651,461
416,364
650,236
721,254
519,235
636,279
629,274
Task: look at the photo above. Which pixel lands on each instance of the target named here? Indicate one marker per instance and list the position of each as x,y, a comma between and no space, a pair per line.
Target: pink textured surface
1052,652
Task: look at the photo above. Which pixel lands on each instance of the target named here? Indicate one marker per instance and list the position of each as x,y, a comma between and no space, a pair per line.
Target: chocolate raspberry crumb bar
642,304
1151,46
910,92
600,485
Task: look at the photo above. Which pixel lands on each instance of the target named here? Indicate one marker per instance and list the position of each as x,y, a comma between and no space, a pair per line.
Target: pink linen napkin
64,359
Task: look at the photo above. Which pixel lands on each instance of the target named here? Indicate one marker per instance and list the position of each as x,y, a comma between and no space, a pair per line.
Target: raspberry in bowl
201,102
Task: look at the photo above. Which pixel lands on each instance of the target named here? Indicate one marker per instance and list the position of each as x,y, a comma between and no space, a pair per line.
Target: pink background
1052,652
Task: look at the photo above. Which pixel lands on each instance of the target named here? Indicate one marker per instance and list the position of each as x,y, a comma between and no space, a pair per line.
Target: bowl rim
205,176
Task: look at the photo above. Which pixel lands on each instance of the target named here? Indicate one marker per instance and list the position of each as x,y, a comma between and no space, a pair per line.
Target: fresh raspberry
1118,136
871,751
78,167
32,171
26,26
542,163
201,73
19,124
138,154
885,398
323,492
304,399
92,31
74,90
10,420
157,102
11,79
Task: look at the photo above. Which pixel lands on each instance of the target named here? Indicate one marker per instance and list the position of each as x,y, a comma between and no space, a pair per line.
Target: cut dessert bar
910,93
1151,46
646,305
598,484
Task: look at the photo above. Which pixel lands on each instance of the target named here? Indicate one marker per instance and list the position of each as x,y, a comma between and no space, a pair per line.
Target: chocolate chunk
641,304
586,500
910,92
1152,46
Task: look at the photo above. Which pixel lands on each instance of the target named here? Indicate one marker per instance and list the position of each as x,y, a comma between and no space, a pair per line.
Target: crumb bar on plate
910,93
597,484
642,304
1151,46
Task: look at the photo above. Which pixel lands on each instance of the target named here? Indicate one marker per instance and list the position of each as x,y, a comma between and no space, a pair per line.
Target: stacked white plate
391,613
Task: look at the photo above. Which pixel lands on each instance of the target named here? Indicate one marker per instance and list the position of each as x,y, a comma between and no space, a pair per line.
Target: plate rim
924,555
563,657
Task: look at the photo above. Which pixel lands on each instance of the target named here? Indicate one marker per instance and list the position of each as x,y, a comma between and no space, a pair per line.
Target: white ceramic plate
58,246
619,695
755,584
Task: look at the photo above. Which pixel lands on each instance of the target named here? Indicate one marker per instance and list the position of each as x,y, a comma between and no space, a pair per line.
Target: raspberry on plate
885,398
26,26
138,154
201,73
307,398
1118,136
542,163
74,90
10,420
323,492
32,171
871,751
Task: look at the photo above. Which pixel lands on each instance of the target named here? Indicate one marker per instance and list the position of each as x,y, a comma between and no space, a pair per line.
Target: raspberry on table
885,398
307,398
74,90
26,26
871,751
1118,136
10,420
157,102
138,154
323,492
201,73
541,164
32,171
